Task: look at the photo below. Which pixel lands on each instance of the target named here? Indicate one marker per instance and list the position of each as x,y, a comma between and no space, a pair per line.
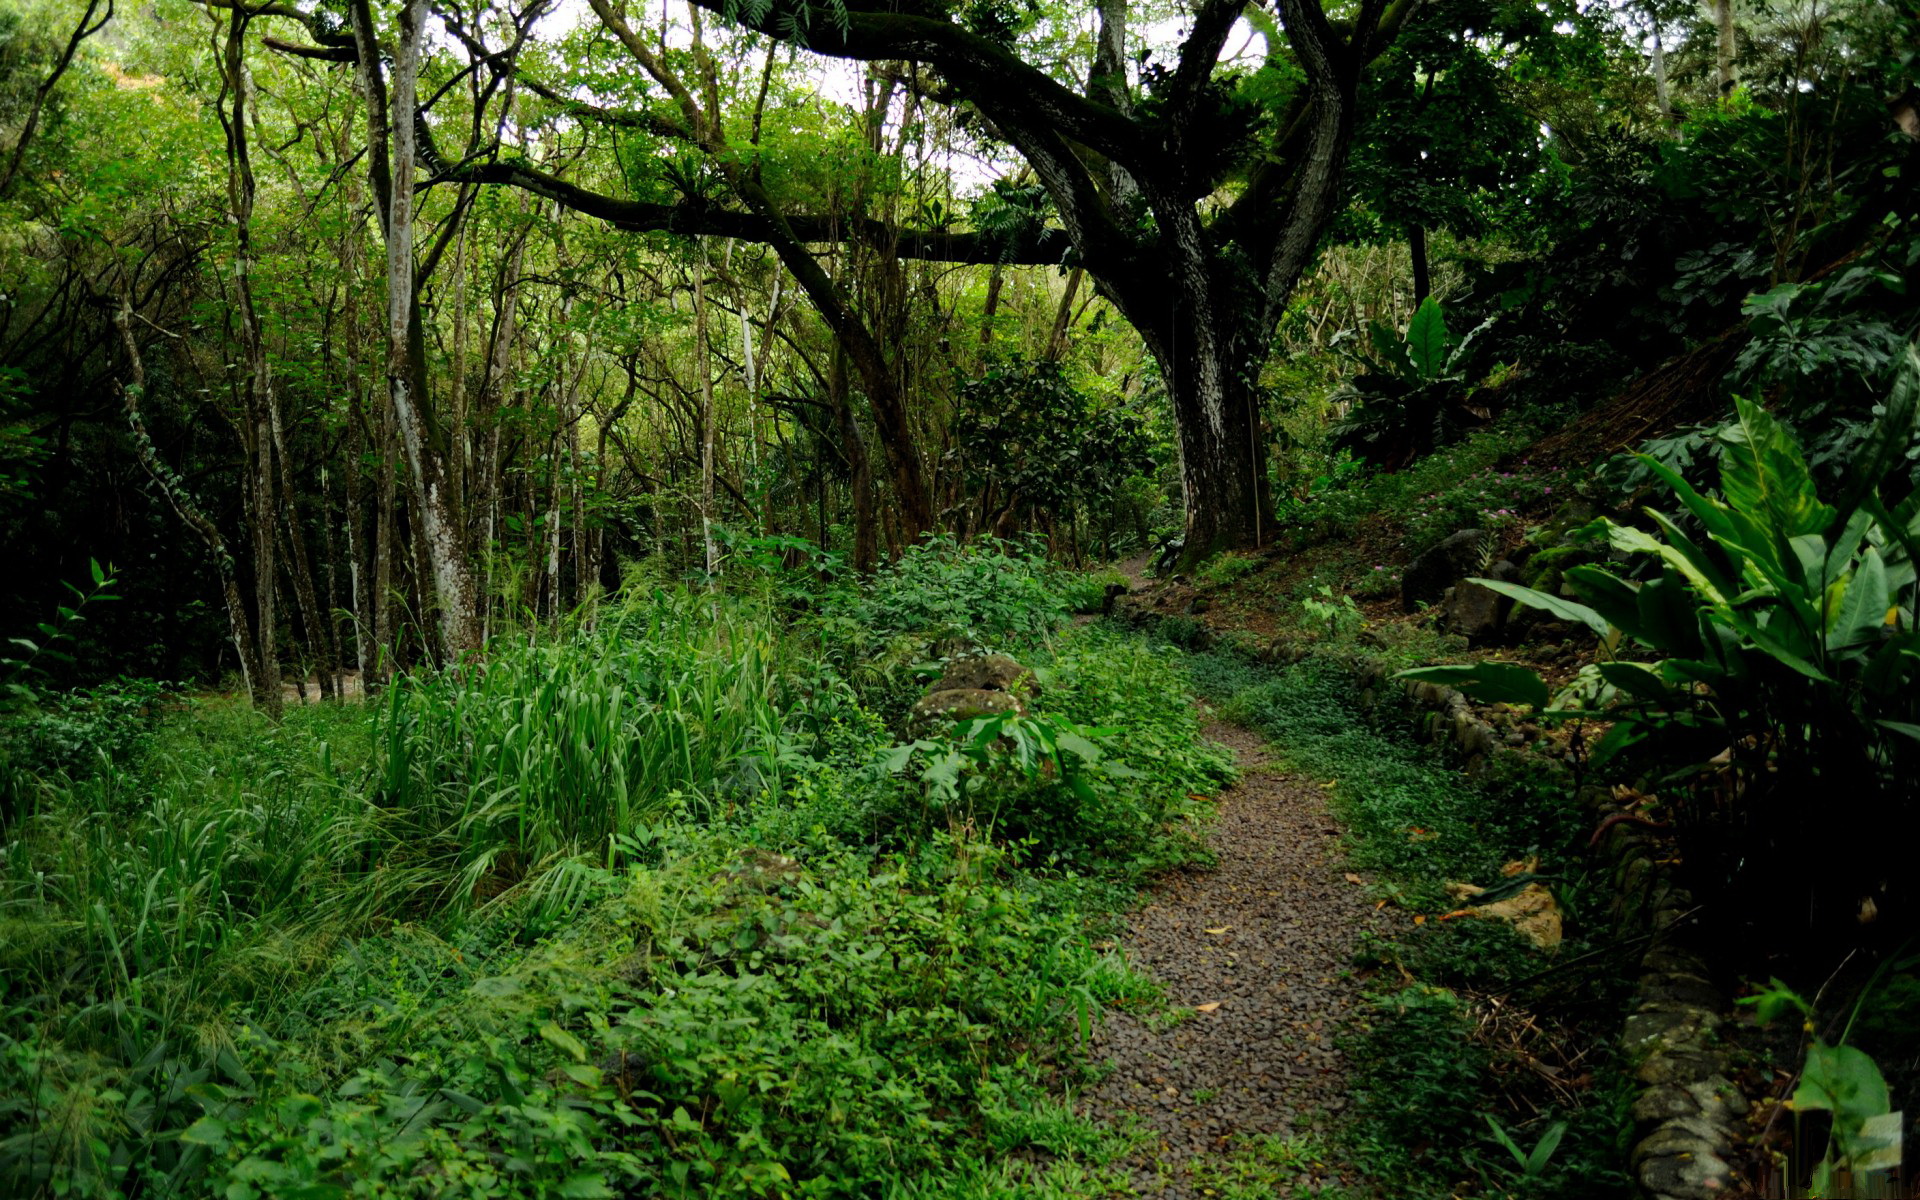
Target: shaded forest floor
1255,955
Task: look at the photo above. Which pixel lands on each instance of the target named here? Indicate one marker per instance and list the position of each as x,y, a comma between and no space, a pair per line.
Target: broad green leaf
1638,680
1427,341
1565,609
1493,682
1901,727
1862,605
1763,471
1711,512
1393,351
1843,1080
572,1046
1691,560
584,1186
1544,1148
1611,596
1669,615
210,1132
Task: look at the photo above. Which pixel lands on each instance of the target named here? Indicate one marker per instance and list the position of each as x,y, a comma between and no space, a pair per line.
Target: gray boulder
1440,566
1479,613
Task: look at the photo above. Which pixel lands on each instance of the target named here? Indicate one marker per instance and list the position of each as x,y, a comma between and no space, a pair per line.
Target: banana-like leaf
1763,471
1669,617
1427,340
1562,608
1493,682
1712,513
1680,552
1611,596
1862,606
1392,350
1638,680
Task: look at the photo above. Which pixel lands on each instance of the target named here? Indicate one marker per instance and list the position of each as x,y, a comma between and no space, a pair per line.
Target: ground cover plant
607,908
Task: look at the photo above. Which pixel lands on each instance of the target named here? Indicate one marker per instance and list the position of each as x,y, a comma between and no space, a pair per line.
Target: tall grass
143,907
558,746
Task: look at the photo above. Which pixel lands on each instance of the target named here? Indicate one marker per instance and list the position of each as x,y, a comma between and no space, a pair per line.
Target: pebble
1263,1061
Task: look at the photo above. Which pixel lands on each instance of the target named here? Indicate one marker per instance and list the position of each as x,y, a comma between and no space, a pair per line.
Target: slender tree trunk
1063,318
385,531
995,281
259,437
1417,250
174,490
866,545
1662,95
703,352
1723,50
445,550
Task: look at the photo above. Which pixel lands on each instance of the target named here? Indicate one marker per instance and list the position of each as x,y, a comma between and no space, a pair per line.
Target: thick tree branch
1049,248
1009,90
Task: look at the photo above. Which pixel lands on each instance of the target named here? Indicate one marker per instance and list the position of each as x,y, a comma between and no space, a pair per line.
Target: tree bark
174,490
395,142
258,388
703,355
1724,45
1417,250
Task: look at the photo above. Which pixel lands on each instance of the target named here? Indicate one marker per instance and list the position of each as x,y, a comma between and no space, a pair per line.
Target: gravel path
1267,935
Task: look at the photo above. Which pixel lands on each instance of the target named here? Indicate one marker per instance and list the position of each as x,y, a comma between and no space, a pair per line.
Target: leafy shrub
989,595
1786,650
1086,591
1412,398
1225,567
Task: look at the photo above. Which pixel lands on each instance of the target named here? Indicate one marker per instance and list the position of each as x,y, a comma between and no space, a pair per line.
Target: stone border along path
1265,940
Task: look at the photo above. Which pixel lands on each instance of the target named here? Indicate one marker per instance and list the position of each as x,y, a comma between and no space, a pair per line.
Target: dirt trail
1267,935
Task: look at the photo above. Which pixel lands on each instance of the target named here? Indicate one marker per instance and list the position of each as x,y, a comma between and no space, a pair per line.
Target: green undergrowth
658,903
1467,1026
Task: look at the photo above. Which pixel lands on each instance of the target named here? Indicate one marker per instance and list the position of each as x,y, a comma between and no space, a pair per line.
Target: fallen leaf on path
1210,1007
1352,878
1220,929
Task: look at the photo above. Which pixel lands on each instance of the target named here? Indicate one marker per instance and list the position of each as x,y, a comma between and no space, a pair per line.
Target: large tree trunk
1223,455
445,544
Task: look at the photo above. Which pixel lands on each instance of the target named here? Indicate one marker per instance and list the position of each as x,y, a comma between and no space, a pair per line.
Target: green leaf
1763,471
1493,682
566,1042
1902,727
1427,341
1637,680
1847,1082
1564,609
210,1132
1862,605
585,1186
1611,596
1544,1148
1711,512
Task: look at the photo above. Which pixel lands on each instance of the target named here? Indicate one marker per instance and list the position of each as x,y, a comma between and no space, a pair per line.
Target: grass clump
647,902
